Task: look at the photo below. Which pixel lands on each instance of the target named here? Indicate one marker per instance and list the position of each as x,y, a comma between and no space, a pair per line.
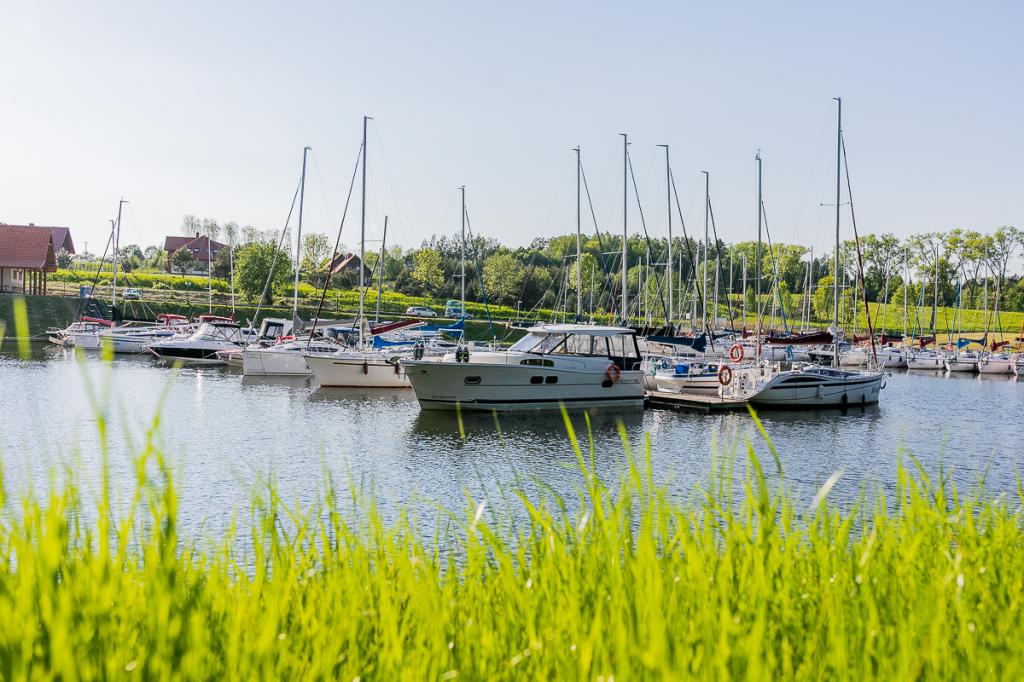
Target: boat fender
417,351
724,375
366,367
736,353
613,373
883,383
398,369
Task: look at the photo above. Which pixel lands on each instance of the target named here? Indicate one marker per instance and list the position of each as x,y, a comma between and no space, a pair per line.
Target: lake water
224,433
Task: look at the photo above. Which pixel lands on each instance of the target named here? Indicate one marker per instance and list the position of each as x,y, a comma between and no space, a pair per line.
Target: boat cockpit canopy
589,340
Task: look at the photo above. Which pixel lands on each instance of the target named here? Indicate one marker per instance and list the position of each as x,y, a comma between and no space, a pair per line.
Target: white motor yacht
558,364
201,347
1018,365
85,325
134,337
962,362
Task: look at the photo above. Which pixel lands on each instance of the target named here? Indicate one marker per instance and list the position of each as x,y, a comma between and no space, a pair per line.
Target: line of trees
957,263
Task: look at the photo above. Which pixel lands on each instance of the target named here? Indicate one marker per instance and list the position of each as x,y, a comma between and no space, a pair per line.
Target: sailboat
810,386
361,366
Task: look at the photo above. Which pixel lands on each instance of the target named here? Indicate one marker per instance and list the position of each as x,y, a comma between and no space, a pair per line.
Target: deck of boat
693,401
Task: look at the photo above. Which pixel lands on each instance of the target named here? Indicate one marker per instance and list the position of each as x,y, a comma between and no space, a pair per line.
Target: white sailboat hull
268,362
702,384
928,362
356,371
995,366
962,364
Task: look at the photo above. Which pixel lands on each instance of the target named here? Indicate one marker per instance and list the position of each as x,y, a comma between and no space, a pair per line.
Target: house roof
26,247
61,236
173,243
348,261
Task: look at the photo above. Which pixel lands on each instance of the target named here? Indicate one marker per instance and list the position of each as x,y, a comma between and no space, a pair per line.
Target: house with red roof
61,236
26,256
202,247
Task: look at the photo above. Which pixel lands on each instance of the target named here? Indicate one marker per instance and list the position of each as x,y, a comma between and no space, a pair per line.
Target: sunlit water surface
225,434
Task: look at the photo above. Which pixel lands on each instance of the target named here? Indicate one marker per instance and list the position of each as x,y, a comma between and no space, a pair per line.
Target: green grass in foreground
627,583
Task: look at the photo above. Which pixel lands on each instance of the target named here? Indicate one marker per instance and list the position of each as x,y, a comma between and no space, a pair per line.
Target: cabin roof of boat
587,329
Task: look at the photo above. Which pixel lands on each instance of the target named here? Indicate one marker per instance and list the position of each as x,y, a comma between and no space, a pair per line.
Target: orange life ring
736,352
724,375
613,373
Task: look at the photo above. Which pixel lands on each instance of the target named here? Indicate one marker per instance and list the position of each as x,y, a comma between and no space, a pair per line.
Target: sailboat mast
362,241
298,235
579,241
757,264
704,270
462,251
835,302
668,275
935,291
117,240
625,228
380,269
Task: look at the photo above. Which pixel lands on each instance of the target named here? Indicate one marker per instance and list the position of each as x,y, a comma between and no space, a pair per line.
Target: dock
693,401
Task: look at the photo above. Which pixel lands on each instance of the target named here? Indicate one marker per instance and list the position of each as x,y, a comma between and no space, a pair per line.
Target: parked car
419,311
132,294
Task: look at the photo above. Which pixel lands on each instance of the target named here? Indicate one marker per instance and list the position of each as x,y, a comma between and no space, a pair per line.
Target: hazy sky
204,107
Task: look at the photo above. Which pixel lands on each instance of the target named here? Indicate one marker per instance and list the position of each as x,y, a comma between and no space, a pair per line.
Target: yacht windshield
527,343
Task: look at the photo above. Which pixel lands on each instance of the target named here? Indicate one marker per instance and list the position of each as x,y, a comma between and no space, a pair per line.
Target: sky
204,107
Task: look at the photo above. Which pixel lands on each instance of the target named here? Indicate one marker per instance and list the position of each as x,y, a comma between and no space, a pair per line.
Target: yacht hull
505,387
800,390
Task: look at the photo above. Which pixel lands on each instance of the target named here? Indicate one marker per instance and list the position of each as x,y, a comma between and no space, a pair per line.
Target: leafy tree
503,277
315,249
254,263
427,270
64,259
822,301
593,278
183,261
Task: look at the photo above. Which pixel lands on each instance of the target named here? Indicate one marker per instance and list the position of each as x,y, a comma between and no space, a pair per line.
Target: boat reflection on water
284,381
541,425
